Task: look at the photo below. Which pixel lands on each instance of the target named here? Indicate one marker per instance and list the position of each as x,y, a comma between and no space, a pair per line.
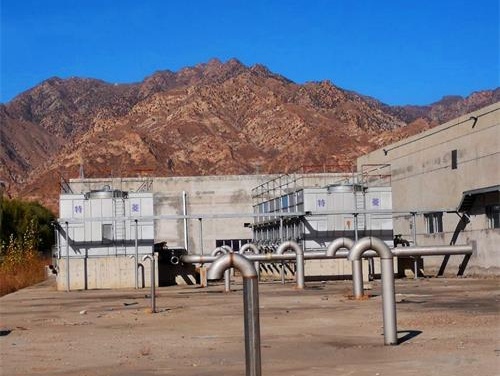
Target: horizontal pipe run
320,255
272,257
433,250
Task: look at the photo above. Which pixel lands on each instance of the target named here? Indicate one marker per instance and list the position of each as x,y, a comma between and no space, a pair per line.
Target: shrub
26,234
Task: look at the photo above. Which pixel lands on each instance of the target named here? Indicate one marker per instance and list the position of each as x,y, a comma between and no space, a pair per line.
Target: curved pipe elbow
219,251
249,248
289,246
229,260
338,244
369,243
227,248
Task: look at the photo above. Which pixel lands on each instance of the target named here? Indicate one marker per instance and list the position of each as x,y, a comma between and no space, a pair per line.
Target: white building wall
422,178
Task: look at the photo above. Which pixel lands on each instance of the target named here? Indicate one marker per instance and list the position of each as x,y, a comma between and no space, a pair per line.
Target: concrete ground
446,327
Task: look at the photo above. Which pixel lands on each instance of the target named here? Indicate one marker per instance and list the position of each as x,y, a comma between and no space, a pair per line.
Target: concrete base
103,273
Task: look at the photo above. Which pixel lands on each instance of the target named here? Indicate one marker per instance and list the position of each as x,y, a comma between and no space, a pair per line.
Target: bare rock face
215,118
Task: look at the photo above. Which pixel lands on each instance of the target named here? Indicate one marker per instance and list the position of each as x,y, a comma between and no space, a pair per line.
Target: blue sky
400,52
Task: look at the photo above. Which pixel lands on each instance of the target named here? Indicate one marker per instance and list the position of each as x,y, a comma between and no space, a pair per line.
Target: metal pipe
414,228
227,274
389,302
338,244
250,305
433,250
230,272
299,273
272,257
357,283
184,212
136,262
388,289
153,281
355,226
281,229
414,236
339,254
201,235
362,245
251,248
67,258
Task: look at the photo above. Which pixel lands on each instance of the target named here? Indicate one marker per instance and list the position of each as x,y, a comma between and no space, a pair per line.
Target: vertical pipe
201,235
299,257
299,271
415,267
414,228
355,227
67,257
136,262
227,280
389,302
252,326
357,279
184,212
414,236
281,229
153,284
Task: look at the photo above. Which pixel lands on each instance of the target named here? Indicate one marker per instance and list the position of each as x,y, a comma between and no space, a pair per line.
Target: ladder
119,211
359,202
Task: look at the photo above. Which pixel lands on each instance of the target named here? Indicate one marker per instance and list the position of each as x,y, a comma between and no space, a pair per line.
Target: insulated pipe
153,281
250,305
362,245
218,251
388,290
67,257
338,244
433,250
270,257
227,274
319,255
251,248
299,273
230,272
227,248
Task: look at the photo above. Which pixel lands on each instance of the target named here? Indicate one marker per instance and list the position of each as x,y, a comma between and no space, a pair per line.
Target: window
434,222
493,214
235,244
454,159
107,233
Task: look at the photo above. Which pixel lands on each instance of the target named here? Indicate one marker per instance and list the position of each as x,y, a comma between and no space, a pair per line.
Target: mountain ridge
212,118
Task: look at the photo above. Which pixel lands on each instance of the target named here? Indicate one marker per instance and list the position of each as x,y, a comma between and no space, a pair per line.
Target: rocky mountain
214,118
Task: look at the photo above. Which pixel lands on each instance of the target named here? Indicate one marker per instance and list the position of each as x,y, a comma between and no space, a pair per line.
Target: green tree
21,217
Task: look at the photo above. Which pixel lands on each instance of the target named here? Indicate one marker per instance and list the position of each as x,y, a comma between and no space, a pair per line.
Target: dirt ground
446,327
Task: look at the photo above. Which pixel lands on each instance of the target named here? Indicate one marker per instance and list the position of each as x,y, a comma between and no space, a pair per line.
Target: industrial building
288,208
448,177
202,213
103,235
439,187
